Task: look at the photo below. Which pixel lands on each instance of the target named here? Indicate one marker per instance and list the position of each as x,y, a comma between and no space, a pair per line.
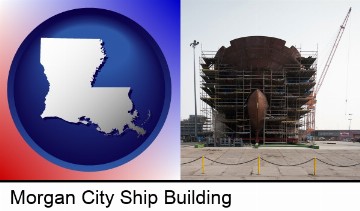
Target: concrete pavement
337,153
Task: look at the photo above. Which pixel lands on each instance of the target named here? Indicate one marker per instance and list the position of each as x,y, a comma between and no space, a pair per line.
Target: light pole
193,45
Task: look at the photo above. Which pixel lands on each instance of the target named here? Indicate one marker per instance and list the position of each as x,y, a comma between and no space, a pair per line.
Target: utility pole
193,45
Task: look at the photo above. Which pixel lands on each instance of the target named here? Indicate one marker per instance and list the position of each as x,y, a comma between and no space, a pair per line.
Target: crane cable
347,70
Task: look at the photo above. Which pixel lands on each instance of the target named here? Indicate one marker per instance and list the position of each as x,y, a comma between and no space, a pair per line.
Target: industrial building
188,128
336,135
258,90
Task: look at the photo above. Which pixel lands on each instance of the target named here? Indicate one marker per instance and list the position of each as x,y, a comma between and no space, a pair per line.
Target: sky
309,25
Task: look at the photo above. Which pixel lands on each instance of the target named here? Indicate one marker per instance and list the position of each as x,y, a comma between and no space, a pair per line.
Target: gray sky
306,24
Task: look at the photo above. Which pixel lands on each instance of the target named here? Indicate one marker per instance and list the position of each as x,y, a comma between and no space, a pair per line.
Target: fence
314,160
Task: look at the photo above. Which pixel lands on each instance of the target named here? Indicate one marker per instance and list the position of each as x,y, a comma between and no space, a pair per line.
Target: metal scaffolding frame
225,90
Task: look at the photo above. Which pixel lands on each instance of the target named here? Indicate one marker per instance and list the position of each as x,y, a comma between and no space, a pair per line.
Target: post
259,165
314,166
349,126
203,165
194,44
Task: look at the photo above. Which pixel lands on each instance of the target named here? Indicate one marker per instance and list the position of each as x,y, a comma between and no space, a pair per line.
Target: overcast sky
305,24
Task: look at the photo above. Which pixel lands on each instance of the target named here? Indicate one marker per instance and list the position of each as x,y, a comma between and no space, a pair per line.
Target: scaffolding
188,128
225,89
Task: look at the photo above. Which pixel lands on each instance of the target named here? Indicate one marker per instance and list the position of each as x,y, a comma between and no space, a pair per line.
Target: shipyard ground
334,152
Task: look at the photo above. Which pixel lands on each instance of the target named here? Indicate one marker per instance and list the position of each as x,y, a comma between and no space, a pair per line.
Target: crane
332,53
312,102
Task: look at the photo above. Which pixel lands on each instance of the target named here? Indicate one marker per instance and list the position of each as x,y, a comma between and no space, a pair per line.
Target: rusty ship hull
281,73
257,106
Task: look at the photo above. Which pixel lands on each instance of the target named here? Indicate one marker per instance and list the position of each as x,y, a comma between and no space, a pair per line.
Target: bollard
314,166
203,165
258,165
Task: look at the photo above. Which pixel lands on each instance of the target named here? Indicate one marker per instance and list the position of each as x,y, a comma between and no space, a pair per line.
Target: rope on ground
191,161
276,164
356,164
230,164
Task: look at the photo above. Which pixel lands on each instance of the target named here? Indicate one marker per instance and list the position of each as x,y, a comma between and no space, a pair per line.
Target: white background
245,196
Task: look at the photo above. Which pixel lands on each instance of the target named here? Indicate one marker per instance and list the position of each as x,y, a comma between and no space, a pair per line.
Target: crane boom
332,53
310,117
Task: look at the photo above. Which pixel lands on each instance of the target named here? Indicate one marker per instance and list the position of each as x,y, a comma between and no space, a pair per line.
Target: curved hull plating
257,106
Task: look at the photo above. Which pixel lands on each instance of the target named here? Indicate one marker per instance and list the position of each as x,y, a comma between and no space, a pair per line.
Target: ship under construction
258,90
